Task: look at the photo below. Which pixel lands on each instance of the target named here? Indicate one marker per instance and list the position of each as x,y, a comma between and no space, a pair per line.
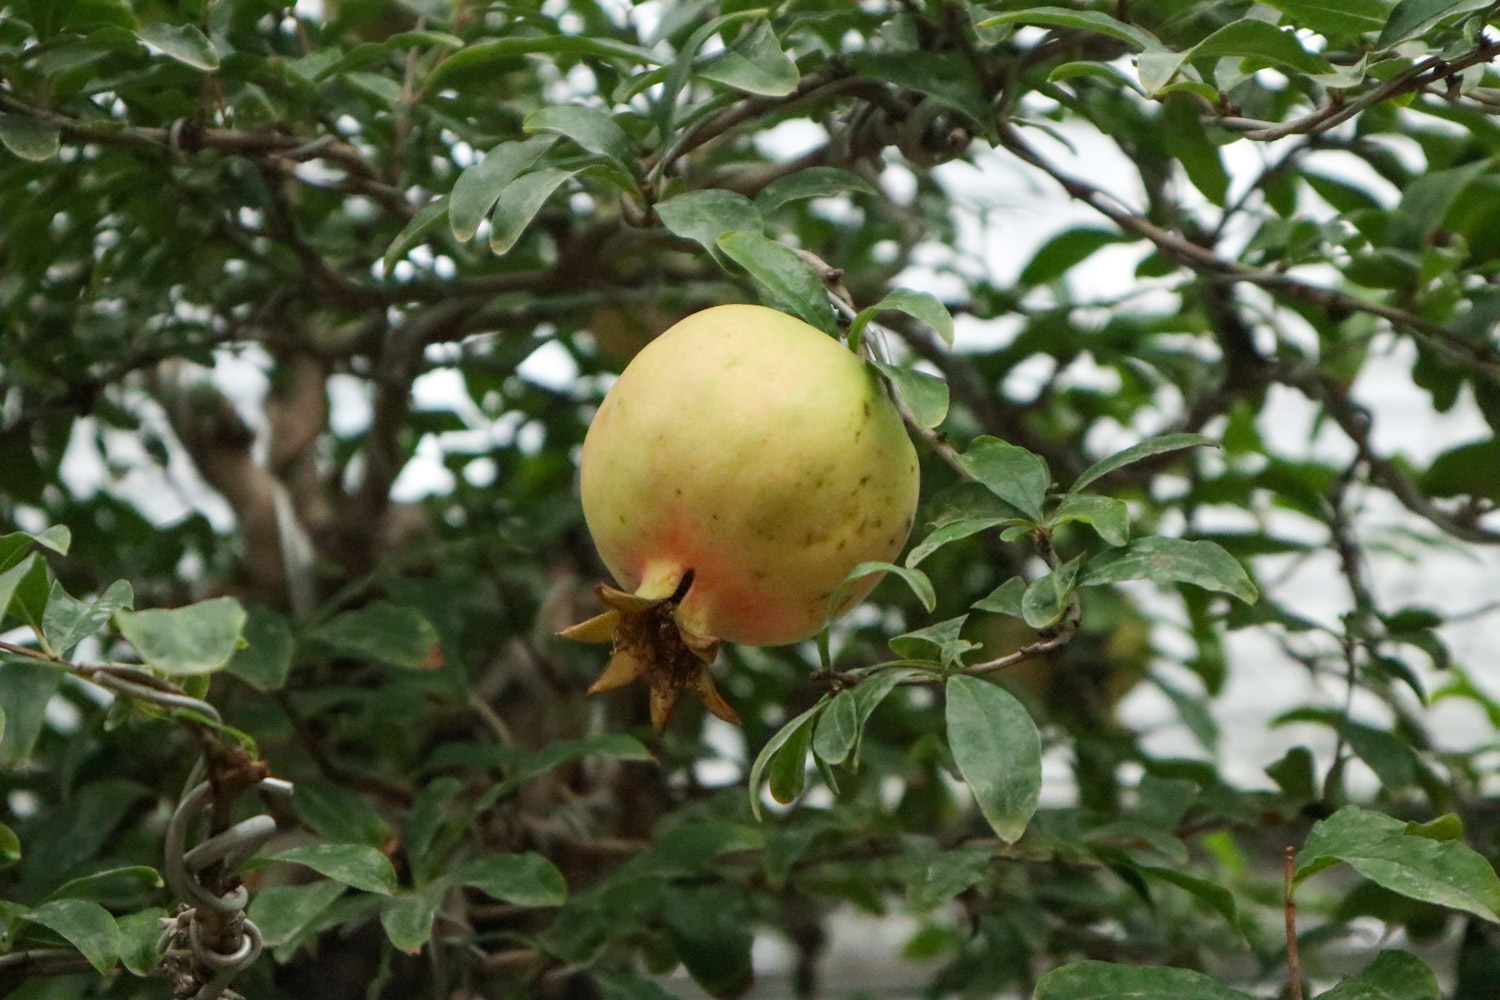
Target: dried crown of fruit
740,467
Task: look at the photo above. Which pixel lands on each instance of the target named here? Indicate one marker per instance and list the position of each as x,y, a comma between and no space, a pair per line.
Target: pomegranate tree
743,464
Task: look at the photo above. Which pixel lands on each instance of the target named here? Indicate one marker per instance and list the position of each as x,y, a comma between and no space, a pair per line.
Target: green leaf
1063,252
479,186
25,689
86,885
183,42
139,933
1109,981
618,746
620,986
785,735
1216,896
712,936
1413,17
520,201
29,600
67,621
1083,20
934,877
85,925
266,660
704,216
357,865
791,283
1013,474
951,82
57,538
337,814
914,578
998,752
1137,452
926,396
952,532
28,138
1106,515
592,129
1336,17
1045,600
1394,975
426,219
1253,39
838,728
1428,199
1448,873
753,62
813,182
940,640
386,633
282,912
522,879
1005,599
786,774
475,57
922,306
1172,560
10,847
682,66
10,581
196,639
407,917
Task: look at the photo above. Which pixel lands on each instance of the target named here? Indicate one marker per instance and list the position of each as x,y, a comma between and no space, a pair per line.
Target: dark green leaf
383,632
10,847
196,639
519,202
478,187
67,621
814,182
1013,474
283,911
1413,17
85,925
357,865
86,885
914,578
704,216
1062,252
713,937
618,746
1394,975
940,641
1109,981
1263,42
951,82
1045,600
753,63
29,138
922,306
1082,20
1172,560
1336,17
926,396
476,56
426,219
952,531
998,752
25,689
1005,599
337,814
1215,895
139,933
786,734
10,582
1136,453
183,42
1448,873
592,129
266,659
407,916
1108,516
790,282
522,879
838,727
786,774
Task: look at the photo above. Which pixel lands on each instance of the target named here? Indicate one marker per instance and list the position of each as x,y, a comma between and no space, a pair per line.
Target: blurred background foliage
310,306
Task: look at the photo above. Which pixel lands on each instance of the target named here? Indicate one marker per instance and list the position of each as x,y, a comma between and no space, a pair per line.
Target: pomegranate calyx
651,644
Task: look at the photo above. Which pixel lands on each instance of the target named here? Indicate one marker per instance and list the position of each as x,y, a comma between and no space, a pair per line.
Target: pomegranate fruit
740,467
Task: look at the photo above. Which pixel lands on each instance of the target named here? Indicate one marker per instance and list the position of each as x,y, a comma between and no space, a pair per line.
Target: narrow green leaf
915,579
1413,17
618,746
1447,873
1172,560
682,67
1137,452
196,639
520,201
85,925
10,847
925,395
28,138
773,746
357,865
838,727
522,879
1106,515
998,752
476,57
1394,975
183,42
952,532
25,689
426,219
753,62
1013,474
1005,599
479,186
791,283
1111,981
337,814
1082,20
1253,39
1216,896
28,602
11,579
922,306
384,632
1336,17
813,182
704,216
1062,252
786,774
282,912
86,885
592,129
940,641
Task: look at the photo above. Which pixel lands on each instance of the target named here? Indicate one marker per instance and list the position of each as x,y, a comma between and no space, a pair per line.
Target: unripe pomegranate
740,467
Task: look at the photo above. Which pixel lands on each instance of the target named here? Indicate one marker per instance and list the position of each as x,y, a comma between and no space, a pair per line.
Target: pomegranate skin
758,453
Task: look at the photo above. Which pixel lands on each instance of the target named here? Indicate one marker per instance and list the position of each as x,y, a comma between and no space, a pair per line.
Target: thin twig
1293,962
